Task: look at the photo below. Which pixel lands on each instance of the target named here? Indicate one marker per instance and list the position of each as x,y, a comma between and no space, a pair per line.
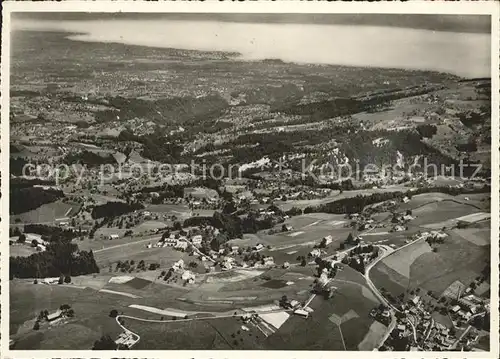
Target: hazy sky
457,23
325,39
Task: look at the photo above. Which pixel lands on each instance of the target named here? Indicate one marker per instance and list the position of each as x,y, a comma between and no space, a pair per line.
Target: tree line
60,258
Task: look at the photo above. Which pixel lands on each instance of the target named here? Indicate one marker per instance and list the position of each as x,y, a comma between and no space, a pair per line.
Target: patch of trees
355,260
467,147
159,148
50,233
105,343
16,165
114,209
426,131
176,110
22,182
277,96
324,264
25,199
58,258
88,158
472,118
482,322
218,241
294,211
231,225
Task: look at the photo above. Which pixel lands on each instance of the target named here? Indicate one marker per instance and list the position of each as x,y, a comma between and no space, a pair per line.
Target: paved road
379,295
412,319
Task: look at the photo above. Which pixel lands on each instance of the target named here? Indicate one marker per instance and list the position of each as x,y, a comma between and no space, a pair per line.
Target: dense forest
88,158
25,199
114,209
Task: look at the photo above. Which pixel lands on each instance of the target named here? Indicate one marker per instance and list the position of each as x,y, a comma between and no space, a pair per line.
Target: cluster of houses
468,306
186,275
436,236
126,339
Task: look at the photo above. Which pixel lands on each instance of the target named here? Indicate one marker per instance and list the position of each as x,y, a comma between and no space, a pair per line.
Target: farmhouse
181,245
113,236
127,339
268,261
258,247
170,242
315,253
53,316
178,265
399,228
301,313
407,218
196,240
33,236
188,276
54,280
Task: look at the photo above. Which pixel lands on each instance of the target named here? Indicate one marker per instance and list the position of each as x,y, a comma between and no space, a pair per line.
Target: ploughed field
461,257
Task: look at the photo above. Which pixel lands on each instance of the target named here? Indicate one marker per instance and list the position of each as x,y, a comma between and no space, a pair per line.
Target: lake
462,54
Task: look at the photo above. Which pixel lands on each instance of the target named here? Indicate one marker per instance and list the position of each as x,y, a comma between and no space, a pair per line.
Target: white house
181,245
399,228
315,252
196,240
302,313
258,247
178,265
33,236
269,261
53,316
188,276
113,236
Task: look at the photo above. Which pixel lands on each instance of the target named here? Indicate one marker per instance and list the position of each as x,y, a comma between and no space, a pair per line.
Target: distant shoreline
448,23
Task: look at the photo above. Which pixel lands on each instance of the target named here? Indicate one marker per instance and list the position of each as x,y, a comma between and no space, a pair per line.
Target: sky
426,42
456,23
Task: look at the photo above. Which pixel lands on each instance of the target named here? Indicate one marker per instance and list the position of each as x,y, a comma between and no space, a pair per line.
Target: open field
47,213
123,242
455,259
91,315
166,257
441,212
410,254
220,333
373,337
478,236
21,250
286,205
318,332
